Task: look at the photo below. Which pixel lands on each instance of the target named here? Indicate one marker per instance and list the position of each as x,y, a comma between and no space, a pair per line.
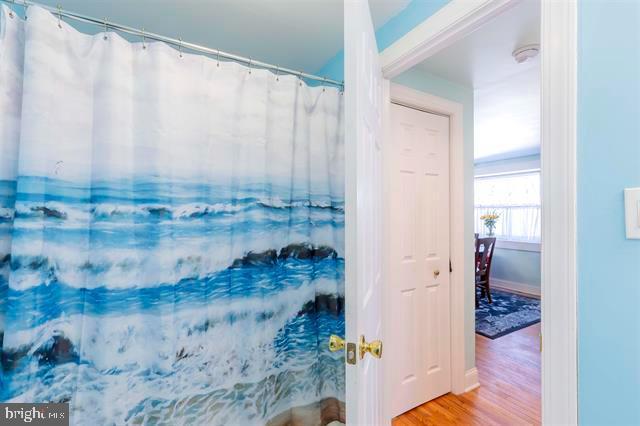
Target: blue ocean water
149,301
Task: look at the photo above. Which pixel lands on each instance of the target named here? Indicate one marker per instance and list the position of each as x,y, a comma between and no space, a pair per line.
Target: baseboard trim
527,289
471,379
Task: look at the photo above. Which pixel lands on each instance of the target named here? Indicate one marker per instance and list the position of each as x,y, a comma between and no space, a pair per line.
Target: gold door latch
337,343
540,334
374,348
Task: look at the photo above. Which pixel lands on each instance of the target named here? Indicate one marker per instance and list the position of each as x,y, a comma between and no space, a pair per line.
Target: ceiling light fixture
524,53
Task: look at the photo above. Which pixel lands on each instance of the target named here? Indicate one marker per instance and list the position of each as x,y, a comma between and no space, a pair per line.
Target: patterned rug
509,312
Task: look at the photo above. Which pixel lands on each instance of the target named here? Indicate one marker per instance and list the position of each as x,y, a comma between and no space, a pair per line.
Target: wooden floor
509,392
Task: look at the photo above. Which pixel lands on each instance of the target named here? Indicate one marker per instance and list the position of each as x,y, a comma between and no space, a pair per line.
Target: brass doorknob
336,343
436,273
374,348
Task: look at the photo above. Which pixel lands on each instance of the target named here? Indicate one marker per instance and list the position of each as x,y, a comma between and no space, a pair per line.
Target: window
516,198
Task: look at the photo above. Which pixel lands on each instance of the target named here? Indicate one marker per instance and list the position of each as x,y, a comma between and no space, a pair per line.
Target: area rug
509,312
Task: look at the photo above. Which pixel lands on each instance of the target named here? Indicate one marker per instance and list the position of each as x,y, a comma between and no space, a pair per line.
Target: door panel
363,210
419,258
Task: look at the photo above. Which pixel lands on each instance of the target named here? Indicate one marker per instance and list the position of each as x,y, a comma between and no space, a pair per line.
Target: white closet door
419,347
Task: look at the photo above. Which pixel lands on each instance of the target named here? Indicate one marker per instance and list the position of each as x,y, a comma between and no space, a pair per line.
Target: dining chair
483,258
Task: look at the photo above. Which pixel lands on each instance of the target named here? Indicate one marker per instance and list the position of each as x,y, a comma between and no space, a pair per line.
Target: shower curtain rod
175,42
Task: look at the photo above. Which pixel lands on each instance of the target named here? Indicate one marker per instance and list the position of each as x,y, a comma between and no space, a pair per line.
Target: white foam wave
83,213
326,286
154,341
84,265
6,213
185,354
197,210
52,209
104,210
278,203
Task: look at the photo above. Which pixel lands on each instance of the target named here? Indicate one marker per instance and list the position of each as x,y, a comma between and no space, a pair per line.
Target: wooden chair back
483,258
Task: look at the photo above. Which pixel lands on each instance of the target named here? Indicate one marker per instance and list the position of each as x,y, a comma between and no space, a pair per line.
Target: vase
490,231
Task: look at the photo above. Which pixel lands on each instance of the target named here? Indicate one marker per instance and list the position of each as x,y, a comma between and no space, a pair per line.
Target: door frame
461,379
559,35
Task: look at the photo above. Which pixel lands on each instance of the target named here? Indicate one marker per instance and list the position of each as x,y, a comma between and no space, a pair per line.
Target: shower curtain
171,233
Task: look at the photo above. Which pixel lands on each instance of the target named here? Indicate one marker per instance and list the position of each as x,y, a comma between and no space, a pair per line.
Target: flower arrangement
490,220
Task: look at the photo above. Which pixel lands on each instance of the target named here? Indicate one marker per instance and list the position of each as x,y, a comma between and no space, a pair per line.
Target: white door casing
559,35
419,288
363,211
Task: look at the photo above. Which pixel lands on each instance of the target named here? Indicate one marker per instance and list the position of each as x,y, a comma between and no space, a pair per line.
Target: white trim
559,65
559,283
523,288
387,327
517,245
632,213
509,173
423,101
527,164
471,379
451,23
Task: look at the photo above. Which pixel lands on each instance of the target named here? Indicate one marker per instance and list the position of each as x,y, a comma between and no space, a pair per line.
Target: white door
363,227
418,345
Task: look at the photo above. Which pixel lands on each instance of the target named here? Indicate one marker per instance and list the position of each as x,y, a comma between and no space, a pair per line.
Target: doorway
425,250
457,20
435,77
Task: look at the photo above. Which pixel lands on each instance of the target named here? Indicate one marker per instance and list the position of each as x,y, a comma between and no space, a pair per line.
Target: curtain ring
277,72
106,29
144,46
59,16
324,84
180,46
250,62
218,57
25,6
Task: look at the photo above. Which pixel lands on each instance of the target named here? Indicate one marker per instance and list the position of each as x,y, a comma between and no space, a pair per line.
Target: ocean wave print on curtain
172,233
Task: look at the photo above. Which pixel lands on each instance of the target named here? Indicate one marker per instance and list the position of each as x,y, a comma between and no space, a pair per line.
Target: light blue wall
396,27
411,16
518,266
437,86
608,161
334,69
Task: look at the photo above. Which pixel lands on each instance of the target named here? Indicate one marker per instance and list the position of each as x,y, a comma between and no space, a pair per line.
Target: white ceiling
484,57
507,117
507,94
299,34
